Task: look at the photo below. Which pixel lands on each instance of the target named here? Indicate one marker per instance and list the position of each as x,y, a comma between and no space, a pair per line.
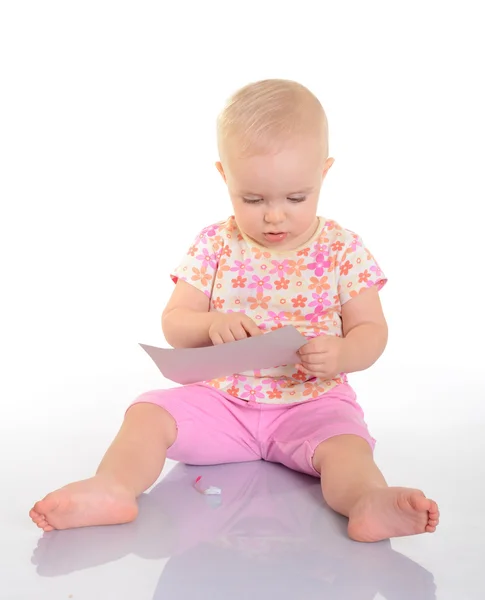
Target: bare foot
95,501
392,512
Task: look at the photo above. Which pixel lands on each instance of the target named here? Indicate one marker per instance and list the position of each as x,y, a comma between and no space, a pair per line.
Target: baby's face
275,196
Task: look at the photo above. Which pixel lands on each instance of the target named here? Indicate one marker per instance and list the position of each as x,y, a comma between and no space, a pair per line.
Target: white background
107,152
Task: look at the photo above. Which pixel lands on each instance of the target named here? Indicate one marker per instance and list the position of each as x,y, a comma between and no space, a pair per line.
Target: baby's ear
328,163
220,168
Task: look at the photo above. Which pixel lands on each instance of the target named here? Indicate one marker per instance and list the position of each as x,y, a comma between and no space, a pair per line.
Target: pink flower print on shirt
356,243
233,391
252,393
319,265
192,250
277,318
261,283
274,384
364,277
319,285
304,252
320,249
296,267
201,275
282,284
320,300
210,231
208,259
226,251
236,378
280,266
315,315
376,270
242,266
239,282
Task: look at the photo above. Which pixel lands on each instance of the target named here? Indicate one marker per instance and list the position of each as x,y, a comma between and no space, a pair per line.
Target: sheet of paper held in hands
192,365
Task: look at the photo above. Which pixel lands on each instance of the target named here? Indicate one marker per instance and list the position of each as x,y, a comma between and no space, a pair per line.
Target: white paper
192,365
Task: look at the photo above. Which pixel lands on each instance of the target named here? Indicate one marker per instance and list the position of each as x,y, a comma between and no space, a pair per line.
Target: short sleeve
199,265
357,269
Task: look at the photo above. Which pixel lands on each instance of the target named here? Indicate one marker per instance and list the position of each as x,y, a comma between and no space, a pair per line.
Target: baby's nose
274,216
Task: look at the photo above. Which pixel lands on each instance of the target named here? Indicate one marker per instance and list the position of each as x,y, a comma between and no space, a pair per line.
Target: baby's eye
297,199
252,200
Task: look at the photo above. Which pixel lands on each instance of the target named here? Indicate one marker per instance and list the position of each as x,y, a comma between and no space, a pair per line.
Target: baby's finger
238,332
310,347
216,339
313,359
251,327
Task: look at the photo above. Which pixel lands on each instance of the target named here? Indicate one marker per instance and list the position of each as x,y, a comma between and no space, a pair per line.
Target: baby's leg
132,464
353,486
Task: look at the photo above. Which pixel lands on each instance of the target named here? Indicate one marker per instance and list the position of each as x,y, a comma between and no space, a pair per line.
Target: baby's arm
364,329
188,323
186,319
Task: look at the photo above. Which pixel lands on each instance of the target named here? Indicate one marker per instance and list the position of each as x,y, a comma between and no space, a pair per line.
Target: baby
274,262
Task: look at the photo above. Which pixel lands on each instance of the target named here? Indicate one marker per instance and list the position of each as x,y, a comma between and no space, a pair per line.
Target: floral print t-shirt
305,287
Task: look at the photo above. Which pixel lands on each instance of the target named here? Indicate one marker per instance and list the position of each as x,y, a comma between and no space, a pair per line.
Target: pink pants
214,427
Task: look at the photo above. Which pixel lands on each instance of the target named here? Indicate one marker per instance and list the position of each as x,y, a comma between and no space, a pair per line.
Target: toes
434,514
420,502
430,529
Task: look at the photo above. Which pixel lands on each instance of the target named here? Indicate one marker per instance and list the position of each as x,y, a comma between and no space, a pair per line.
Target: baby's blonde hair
261,116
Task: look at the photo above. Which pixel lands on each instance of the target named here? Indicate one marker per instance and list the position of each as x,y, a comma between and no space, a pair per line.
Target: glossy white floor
269,533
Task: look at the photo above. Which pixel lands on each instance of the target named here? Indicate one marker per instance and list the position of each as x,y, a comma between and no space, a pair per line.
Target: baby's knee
150,418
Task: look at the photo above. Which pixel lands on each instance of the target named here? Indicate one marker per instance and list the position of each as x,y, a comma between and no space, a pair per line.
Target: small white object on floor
210,491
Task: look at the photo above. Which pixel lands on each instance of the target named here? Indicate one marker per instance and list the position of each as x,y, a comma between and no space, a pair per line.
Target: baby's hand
323,357
229,327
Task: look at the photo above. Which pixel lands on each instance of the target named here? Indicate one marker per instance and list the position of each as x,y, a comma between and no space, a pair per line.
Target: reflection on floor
267,535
